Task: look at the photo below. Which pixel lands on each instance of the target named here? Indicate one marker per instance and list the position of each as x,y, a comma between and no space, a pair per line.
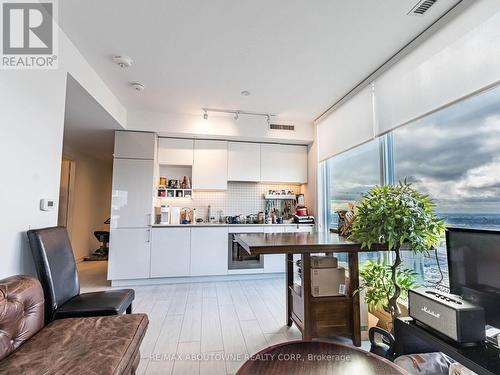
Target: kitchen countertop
227,225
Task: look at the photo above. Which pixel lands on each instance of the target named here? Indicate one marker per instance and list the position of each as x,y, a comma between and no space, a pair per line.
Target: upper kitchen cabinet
175,151
210,165
132,193
243,163
135,145
283,163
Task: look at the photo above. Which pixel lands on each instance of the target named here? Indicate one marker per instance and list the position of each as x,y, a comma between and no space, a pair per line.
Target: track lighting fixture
236,113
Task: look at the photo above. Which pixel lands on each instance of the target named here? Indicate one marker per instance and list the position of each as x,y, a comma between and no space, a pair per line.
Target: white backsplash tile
240,198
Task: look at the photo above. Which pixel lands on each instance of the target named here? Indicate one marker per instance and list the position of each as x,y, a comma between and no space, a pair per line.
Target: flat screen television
474,268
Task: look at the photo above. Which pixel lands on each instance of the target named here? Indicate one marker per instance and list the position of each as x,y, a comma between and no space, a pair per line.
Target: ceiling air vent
281,127
422,7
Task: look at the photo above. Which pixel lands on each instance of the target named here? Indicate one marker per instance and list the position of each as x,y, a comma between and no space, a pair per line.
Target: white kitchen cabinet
170,252
210,165
270,160
132,193
274,262
299,228
246,229
283,163
209,251
243,161
129,254
135,145
294,163
175,151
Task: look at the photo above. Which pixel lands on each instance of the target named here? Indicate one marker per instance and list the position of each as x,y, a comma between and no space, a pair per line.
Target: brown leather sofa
90,345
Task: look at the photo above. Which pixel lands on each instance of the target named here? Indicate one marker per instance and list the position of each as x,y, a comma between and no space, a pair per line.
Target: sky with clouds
453,155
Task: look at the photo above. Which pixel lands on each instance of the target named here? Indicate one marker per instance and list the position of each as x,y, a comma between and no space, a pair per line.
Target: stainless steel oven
239,259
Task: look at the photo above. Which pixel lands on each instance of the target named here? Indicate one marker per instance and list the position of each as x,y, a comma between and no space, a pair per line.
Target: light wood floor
210,326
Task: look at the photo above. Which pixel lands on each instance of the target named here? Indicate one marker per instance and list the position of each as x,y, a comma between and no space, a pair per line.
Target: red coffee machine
301,214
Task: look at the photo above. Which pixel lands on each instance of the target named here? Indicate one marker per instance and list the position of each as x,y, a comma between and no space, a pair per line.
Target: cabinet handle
149,236
148,219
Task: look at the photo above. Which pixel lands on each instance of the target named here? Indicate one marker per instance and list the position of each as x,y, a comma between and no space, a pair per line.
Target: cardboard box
322,261
328,282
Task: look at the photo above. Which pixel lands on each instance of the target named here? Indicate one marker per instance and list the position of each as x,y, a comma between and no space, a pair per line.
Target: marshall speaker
447,314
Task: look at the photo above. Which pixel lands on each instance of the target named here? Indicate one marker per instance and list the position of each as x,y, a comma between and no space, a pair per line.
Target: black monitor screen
474,268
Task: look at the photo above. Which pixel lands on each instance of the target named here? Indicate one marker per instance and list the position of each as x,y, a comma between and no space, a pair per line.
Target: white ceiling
88,127
296,57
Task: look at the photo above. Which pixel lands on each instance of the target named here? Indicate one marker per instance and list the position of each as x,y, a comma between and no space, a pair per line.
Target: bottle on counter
267,218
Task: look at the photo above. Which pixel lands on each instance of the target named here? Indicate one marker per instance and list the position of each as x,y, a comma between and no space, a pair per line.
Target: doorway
66,194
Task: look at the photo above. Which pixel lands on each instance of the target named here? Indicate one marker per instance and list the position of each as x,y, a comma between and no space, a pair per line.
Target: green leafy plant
397,215
377,283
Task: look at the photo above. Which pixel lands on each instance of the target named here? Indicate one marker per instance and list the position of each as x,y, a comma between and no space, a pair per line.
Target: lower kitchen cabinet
129,253
300,228
209,251
170,252
274,262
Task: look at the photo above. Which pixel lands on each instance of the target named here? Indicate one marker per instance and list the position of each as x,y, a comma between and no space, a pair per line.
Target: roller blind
450,66
348,126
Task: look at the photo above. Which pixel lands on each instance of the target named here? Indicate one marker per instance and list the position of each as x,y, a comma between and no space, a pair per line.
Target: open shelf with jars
174,182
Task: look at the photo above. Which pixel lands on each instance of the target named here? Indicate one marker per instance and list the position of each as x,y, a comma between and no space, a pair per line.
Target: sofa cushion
95,345
21,311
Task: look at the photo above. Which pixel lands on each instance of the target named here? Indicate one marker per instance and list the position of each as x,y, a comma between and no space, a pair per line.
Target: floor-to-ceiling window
452,154
348,176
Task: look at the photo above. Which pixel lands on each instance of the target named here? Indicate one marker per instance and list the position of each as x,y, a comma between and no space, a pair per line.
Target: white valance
451,65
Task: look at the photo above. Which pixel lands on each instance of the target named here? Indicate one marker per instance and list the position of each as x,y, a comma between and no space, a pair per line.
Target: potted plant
397,215
376,276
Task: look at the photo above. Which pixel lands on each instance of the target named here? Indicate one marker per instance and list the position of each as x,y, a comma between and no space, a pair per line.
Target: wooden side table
318,358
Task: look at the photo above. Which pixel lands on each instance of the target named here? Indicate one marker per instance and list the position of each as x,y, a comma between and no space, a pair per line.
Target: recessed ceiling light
123,61
245,93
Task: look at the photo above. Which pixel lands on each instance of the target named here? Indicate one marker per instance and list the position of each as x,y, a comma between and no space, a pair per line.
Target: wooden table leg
306,296
289,284
353,286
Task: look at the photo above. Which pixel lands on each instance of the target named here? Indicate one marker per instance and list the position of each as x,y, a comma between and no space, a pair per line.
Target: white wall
249,128
310,190
91,203
31,124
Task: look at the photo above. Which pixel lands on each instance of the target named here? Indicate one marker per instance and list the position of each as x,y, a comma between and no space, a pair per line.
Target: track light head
236,115
205,115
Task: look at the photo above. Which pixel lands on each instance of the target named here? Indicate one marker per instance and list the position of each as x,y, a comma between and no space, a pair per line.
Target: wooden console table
302,308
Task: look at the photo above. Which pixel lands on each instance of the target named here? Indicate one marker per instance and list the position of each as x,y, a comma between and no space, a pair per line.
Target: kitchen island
344,318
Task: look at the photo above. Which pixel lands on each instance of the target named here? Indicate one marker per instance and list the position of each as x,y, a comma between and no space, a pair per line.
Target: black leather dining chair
56,268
